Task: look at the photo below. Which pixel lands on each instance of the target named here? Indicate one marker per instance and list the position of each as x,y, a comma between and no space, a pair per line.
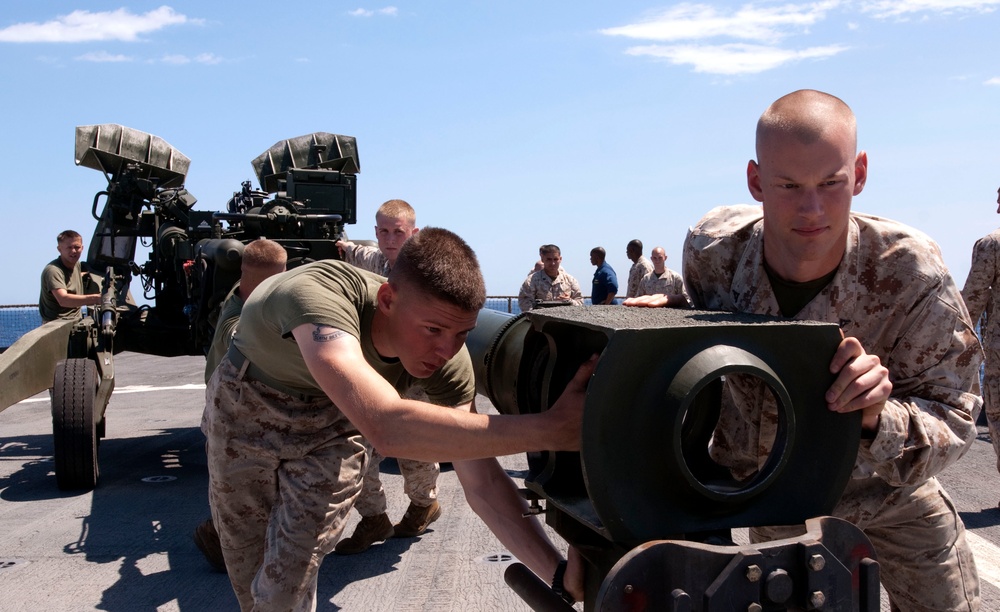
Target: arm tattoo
325,333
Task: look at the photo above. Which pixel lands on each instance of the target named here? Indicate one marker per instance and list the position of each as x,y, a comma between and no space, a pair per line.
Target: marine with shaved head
909,359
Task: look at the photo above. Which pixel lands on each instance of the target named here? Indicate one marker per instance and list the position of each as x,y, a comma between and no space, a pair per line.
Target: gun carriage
644,501
308,196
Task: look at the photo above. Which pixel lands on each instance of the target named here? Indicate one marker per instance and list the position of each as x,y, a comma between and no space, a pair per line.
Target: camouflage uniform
367,258
636,273
285,465
263,437
893,293
419,477
670,283
982,296
539,287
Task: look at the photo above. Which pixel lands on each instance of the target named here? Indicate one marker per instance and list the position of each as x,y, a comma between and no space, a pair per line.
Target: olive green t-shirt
229,316
55,276
337,294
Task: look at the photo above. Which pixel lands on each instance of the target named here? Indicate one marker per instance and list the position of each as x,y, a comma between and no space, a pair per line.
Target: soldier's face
806,191
423,332
659,258
550,263
70,251
391,234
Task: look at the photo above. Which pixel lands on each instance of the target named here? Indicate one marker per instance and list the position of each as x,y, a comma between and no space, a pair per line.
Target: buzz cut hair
548,249
397,209
440,264
67,235
264,253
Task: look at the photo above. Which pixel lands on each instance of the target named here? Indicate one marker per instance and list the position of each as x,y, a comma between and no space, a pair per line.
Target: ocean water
15,321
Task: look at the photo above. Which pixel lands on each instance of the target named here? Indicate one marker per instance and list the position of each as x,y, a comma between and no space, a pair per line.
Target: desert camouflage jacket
539,287
982,287
893,293
636,273
670,283
367,258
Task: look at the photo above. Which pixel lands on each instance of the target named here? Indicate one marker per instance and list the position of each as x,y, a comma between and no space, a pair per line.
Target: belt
249,370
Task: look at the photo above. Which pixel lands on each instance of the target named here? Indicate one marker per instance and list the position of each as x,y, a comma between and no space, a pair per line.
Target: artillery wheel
74,430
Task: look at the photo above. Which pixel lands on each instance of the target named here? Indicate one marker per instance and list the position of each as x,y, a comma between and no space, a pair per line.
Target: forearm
917,439
494,497
73,300
416,430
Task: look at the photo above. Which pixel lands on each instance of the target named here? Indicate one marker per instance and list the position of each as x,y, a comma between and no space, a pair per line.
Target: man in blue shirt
605,280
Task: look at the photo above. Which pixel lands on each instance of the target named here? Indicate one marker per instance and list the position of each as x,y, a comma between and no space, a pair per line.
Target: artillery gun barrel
532,590
644,473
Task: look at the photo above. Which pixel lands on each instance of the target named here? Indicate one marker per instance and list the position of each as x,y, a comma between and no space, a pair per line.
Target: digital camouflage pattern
539,287
636,273
670,283
982,297
257,436
892,292
368,258
419,477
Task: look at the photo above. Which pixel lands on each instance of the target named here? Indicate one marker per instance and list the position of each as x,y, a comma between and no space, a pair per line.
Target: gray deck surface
127,546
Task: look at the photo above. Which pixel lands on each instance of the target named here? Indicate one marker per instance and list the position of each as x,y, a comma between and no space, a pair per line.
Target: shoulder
54,271
988,242
895,252
321,280
726,220
722,230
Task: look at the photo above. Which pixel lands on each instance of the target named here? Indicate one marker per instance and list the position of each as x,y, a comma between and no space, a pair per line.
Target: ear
753,181
415,230
860,172
385,297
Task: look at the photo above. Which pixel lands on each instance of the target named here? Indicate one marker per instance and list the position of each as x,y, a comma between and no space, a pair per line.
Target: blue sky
512,123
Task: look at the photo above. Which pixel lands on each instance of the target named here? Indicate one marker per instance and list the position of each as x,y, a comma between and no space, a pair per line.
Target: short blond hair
397,209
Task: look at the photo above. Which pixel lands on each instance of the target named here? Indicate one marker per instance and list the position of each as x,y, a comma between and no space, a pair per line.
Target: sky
514,124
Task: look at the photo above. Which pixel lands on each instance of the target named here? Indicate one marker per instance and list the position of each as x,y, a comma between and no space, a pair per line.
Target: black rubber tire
74,430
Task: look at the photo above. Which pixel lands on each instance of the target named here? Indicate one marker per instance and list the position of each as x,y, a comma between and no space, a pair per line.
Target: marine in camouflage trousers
925,562
284,472
991,395
419,477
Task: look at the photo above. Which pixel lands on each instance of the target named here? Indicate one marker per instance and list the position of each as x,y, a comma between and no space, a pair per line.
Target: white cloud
85,26
178,59
688,21
993,81
733,59
208,58
390,11
102,56
175,59
881,9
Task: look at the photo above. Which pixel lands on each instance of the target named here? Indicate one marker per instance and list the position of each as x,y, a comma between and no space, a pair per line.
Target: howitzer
644,500
308,195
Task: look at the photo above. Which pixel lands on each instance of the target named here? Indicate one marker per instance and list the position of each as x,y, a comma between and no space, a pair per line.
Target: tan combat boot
206,538
371,529
417,519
